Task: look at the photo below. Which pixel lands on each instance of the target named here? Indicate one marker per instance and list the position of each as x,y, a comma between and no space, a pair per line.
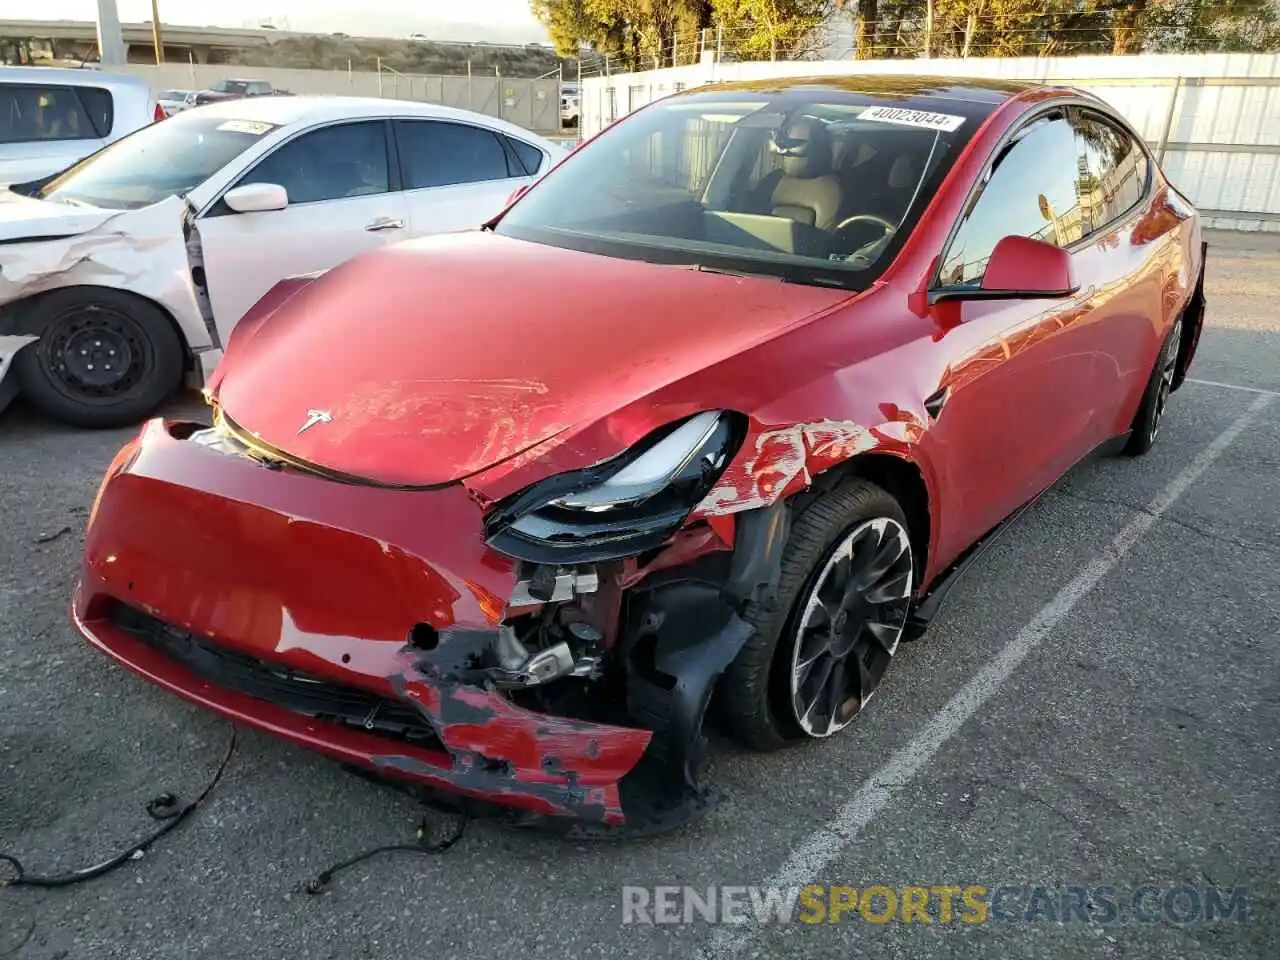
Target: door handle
384,223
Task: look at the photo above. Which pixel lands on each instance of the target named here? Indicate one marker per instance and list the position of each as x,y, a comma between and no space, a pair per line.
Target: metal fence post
379,76
1168,120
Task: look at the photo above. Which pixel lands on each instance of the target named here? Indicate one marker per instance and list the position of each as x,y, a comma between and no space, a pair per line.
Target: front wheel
843,598
105,358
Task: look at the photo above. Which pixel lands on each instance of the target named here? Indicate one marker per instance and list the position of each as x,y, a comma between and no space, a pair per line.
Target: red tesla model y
698,430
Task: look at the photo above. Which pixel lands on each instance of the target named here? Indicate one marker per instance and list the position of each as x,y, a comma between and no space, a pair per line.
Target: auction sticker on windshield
255,127
947,122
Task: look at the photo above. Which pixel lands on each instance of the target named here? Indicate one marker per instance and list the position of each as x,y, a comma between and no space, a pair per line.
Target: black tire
1155,399
754,695
105,358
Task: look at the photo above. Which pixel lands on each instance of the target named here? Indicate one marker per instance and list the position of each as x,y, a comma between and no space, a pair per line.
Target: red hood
441,357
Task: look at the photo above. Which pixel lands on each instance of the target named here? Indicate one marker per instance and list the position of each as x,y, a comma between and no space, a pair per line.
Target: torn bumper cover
306,608
309,608
9,349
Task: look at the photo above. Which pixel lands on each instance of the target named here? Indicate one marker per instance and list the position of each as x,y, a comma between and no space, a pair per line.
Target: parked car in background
173,101
232,89
132,267
50,117
569,108
829,336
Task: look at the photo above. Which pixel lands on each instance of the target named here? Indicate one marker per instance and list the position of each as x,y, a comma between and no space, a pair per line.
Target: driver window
1034,191
332,163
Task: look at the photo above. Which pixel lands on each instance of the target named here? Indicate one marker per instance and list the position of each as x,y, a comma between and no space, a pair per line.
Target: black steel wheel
820,651
105,358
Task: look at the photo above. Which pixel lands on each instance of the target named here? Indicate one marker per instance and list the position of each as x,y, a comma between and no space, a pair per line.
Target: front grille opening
298,692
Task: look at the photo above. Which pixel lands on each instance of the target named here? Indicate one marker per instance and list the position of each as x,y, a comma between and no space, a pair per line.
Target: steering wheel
864,252
848,222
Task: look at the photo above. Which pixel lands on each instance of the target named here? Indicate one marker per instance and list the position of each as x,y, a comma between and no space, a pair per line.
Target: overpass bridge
78,39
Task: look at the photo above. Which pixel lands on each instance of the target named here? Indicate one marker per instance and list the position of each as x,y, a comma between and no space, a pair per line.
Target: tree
645,33
642,33
772,29
1127,26
573,23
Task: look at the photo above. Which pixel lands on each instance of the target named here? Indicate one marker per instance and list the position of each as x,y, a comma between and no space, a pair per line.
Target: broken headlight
624,506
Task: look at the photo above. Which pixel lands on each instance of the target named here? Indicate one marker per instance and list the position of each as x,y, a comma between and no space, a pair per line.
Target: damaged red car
699,430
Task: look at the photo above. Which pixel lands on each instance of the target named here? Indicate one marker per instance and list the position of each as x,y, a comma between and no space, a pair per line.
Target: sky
504,21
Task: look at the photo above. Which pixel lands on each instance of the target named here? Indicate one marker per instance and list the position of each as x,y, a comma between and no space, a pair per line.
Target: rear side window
1034,191
1115,172
437,154
530,156
100,107
34,113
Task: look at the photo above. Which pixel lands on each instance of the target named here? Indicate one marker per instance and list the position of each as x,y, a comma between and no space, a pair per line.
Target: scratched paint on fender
783,461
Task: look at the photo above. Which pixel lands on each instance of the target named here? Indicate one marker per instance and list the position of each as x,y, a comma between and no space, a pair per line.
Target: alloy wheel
850,624
1168,368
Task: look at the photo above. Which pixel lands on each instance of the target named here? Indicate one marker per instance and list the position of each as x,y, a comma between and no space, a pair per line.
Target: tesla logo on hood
315,417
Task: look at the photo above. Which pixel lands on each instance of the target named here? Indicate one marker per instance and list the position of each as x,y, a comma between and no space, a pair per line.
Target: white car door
456,175
341,203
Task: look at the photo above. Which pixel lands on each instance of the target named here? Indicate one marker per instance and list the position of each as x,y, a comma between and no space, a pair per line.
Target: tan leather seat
808,191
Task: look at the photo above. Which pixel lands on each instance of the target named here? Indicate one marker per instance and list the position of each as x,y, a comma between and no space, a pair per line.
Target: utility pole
110,39
157,35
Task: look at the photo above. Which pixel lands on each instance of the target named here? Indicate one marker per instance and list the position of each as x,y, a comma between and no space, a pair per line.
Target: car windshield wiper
806,280
818,281
703,268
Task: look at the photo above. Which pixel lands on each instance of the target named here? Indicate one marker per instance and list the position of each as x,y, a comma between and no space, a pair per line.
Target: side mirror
257,198
1019,268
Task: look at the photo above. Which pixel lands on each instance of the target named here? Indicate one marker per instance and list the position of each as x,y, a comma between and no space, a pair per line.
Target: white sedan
127,272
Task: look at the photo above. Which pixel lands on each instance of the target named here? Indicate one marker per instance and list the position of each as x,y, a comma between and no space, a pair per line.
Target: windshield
815,186
171,157
230,86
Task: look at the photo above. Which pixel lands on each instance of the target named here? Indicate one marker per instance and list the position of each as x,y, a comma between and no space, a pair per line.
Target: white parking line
1234,386
822,847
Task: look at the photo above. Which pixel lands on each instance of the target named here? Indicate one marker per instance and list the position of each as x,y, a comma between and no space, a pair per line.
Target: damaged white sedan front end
92,302
125,275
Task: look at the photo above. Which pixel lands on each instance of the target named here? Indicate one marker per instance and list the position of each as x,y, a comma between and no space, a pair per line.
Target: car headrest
904,173
805,146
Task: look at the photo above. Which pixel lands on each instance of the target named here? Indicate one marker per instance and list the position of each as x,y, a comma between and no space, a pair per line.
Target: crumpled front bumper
309,581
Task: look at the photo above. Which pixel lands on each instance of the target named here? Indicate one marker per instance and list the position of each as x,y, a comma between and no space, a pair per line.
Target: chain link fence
913,35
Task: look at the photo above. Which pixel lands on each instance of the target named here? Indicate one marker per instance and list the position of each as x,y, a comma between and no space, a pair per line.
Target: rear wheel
105,358
1146,423
843,598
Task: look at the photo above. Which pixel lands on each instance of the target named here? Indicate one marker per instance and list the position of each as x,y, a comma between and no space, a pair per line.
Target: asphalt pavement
1097,707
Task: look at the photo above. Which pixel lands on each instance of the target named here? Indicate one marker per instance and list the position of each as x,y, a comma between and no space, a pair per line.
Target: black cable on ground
163,807
321,880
